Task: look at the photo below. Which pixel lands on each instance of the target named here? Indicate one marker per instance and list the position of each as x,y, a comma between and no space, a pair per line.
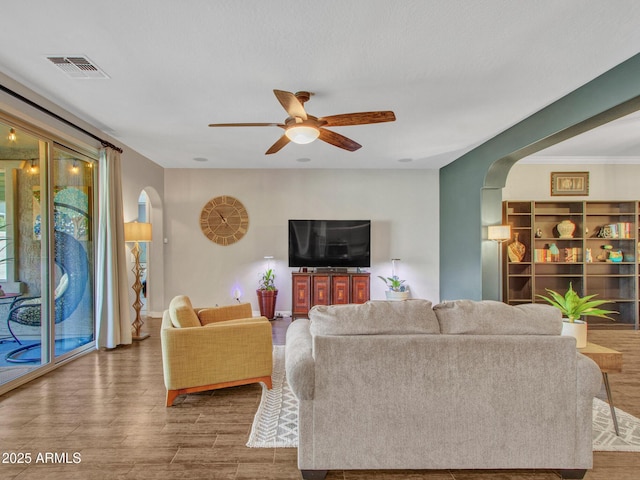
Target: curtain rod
31,103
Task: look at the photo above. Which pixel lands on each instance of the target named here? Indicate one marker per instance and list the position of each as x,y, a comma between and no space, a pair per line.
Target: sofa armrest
589,377
216,353
221,314
299,362
237,321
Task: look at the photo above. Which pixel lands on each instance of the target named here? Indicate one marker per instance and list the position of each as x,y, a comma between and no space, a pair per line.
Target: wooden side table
609,361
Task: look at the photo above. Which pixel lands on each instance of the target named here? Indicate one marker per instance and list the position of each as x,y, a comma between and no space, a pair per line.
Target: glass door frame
90,154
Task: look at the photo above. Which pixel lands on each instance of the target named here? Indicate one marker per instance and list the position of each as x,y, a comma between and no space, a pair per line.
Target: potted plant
397,289
267,293
573,307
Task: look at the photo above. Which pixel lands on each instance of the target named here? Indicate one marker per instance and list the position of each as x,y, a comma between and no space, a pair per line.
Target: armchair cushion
490,317
182,313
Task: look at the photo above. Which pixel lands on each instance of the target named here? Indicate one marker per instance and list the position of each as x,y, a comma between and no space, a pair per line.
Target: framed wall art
569,183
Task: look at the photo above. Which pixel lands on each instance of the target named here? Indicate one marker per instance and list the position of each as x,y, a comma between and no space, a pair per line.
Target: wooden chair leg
171,396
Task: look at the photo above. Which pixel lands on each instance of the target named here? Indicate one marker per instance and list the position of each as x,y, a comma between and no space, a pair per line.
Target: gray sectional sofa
460,385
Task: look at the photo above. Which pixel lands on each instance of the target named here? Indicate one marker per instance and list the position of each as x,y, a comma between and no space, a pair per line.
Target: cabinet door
301,294
339,289
321,293
359,288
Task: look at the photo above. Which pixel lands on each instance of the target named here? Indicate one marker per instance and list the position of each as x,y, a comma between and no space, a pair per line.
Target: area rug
276,422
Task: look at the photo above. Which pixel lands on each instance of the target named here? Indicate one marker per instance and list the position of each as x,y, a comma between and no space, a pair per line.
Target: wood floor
109,408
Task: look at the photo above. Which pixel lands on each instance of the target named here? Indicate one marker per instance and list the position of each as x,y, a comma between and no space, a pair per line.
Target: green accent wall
471,186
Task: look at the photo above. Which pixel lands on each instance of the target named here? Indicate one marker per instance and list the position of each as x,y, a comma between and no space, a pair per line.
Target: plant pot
577,330
396,296
267,303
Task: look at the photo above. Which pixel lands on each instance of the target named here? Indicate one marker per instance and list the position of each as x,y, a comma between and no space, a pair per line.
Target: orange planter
267,303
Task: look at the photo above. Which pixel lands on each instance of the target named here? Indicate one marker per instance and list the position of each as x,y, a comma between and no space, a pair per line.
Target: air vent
77,66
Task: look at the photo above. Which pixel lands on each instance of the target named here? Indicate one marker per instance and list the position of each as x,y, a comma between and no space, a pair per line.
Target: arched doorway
151,256
468,260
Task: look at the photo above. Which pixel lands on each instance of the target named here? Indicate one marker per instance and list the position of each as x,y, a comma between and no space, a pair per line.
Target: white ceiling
455,72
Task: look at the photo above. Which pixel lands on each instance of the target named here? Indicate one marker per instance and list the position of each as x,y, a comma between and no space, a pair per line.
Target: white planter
577,330
396,296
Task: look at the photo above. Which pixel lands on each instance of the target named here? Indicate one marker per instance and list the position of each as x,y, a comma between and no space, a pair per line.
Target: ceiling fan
299,127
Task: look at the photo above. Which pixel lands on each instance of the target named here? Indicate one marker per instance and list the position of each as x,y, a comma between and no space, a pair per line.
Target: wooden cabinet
583,258
311,289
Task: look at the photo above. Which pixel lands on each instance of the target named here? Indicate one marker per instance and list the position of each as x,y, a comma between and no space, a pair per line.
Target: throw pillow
182,313
374,318
489,317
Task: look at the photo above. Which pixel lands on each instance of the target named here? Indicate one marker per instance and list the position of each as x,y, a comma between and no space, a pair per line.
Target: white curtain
113,322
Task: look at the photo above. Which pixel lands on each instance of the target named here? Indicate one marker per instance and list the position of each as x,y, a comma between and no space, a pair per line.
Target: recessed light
201,159
405,160
303,160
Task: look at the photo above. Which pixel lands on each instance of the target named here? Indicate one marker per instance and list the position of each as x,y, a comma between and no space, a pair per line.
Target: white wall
403,207
138,174
611,181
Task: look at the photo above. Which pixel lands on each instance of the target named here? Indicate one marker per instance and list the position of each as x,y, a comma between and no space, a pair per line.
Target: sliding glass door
73,250
46,252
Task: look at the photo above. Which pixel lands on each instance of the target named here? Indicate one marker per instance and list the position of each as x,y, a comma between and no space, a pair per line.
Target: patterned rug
276,422
604,435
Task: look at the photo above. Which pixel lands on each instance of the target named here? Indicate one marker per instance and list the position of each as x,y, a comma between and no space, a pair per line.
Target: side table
609,361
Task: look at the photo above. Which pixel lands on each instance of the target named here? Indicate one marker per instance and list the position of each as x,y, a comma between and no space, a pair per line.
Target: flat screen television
329,243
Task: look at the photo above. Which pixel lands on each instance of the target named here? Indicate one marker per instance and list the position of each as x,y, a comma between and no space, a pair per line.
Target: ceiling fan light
302,134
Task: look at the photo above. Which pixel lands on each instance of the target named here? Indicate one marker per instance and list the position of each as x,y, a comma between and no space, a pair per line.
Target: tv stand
326,288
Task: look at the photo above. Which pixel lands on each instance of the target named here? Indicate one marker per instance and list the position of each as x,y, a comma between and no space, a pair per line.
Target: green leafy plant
573,307
394,283
267,280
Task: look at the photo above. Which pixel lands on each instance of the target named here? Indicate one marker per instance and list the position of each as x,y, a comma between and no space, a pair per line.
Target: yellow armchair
210,348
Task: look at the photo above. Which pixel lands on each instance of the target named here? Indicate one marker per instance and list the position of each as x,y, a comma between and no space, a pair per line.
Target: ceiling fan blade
360,118
246,125
291,104
282,141
338,140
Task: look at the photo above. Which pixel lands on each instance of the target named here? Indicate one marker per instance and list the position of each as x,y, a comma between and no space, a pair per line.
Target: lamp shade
137,232
499,233
302,134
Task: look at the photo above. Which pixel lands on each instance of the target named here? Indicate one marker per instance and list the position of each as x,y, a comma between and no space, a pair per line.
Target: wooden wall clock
224,220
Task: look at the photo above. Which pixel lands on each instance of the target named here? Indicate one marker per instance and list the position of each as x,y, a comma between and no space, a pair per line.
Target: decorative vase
566,228
577,330
396,296
555,252
267,303
516,250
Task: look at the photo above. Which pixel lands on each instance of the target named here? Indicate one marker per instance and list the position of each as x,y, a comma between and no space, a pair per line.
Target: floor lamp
137,232
499,234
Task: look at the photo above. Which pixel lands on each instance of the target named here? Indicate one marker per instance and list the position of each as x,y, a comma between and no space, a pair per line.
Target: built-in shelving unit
582,260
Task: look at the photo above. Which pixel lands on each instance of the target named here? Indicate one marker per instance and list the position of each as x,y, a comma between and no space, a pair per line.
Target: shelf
614,281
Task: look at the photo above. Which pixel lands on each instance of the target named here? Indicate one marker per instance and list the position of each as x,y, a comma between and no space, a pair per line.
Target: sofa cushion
489,317
182,313
374,318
